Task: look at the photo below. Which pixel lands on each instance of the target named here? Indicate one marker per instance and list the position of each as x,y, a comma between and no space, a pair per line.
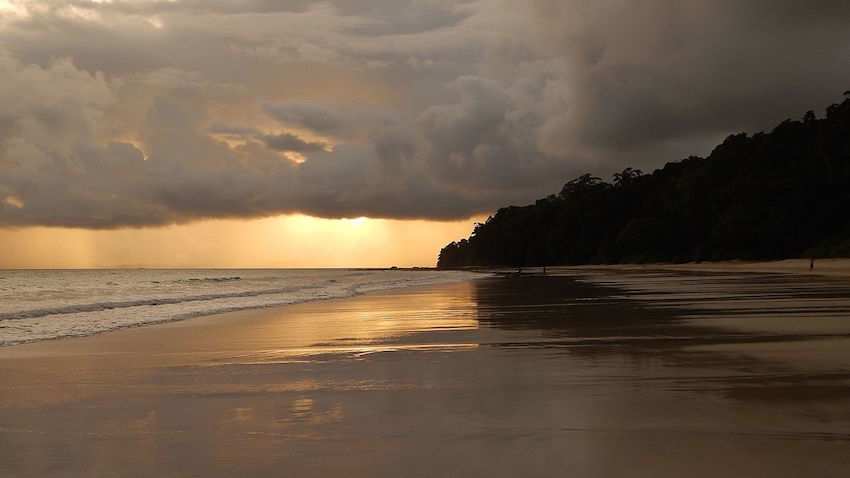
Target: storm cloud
146,113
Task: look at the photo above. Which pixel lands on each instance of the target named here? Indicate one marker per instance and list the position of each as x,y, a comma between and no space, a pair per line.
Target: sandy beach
822,267
590,373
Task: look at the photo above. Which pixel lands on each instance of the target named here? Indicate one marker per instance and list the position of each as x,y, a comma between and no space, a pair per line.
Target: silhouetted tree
627,177
772,195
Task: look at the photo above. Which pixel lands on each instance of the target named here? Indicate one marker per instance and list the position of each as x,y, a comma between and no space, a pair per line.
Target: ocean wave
201,280
50,316
208,279
98,306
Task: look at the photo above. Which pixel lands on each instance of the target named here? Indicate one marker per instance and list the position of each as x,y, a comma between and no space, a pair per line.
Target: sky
258,132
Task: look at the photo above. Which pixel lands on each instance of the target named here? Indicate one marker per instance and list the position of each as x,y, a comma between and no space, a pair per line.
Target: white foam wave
41,305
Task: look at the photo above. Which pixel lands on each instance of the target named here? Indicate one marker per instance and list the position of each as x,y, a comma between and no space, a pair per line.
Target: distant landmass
782,194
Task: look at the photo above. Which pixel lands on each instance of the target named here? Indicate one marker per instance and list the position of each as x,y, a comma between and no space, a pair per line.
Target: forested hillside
773,195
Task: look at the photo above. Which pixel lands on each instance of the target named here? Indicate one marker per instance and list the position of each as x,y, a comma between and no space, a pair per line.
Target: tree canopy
775,195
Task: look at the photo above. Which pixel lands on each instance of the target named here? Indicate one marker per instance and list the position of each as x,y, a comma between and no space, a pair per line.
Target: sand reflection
596,375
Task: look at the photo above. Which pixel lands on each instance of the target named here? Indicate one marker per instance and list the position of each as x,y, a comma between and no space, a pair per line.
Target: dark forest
782,194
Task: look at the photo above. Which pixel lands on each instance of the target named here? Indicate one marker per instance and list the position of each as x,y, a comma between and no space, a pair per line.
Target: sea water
47,304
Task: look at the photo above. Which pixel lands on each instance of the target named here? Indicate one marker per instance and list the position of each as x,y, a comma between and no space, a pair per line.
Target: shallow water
603,374
49,304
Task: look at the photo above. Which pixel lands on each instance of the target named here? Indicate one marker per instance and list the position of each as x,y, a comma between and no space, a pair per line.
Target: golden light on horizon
285,241
357,221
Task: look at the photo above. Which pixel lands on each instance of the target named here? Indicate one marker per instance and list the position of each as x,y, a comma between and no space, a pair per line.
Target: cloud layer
144,113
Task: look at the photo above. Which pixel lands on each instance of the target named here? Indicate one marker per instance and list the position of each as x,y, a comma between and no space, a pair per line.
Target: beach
589,372
820,267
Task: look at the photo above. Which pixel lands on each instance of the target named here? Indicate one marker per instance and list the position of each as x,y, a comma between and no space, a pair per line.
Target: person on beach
812,264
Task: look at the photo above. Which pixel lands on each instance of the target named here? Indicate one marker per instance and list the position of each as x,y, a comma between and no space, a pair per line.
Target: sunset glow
189,133
286,241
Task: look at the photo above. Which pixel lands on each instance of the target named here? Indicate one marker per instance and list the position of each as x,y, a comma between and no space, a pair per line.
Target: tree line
772,195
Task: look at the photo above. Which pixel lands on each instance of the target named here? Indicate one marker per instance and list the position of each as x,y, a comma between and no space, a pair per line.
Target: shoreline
823,267
263,307
225,320
440,373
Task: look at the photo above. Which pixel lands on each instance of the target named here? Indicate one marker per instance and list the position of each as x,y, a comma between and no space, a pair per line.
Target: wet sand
822,267
592,373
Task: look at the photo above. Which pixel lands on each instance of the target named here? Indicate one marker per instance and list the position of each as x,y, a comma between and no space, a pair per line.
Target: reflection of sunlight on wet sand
319,353
549,380
243,414
374,324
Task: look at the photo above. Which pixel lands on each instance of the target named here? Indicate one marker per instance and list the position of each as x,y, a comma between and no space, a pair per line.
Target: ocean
49,304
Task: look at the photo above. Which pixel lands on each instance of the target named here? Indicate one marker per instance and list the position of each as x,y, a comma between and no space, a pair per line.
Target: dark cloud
277,142
291,142
669,71
311,116
142,113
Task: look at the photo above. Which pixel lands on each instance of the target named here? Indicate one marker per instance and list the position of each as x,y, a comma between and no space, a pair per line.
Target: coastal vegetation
772,195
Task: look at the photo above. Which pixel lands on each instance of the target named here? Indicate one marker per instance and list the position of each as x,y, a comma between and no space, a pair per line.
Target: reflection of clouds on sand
301,407
497,377
243,414
765,337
